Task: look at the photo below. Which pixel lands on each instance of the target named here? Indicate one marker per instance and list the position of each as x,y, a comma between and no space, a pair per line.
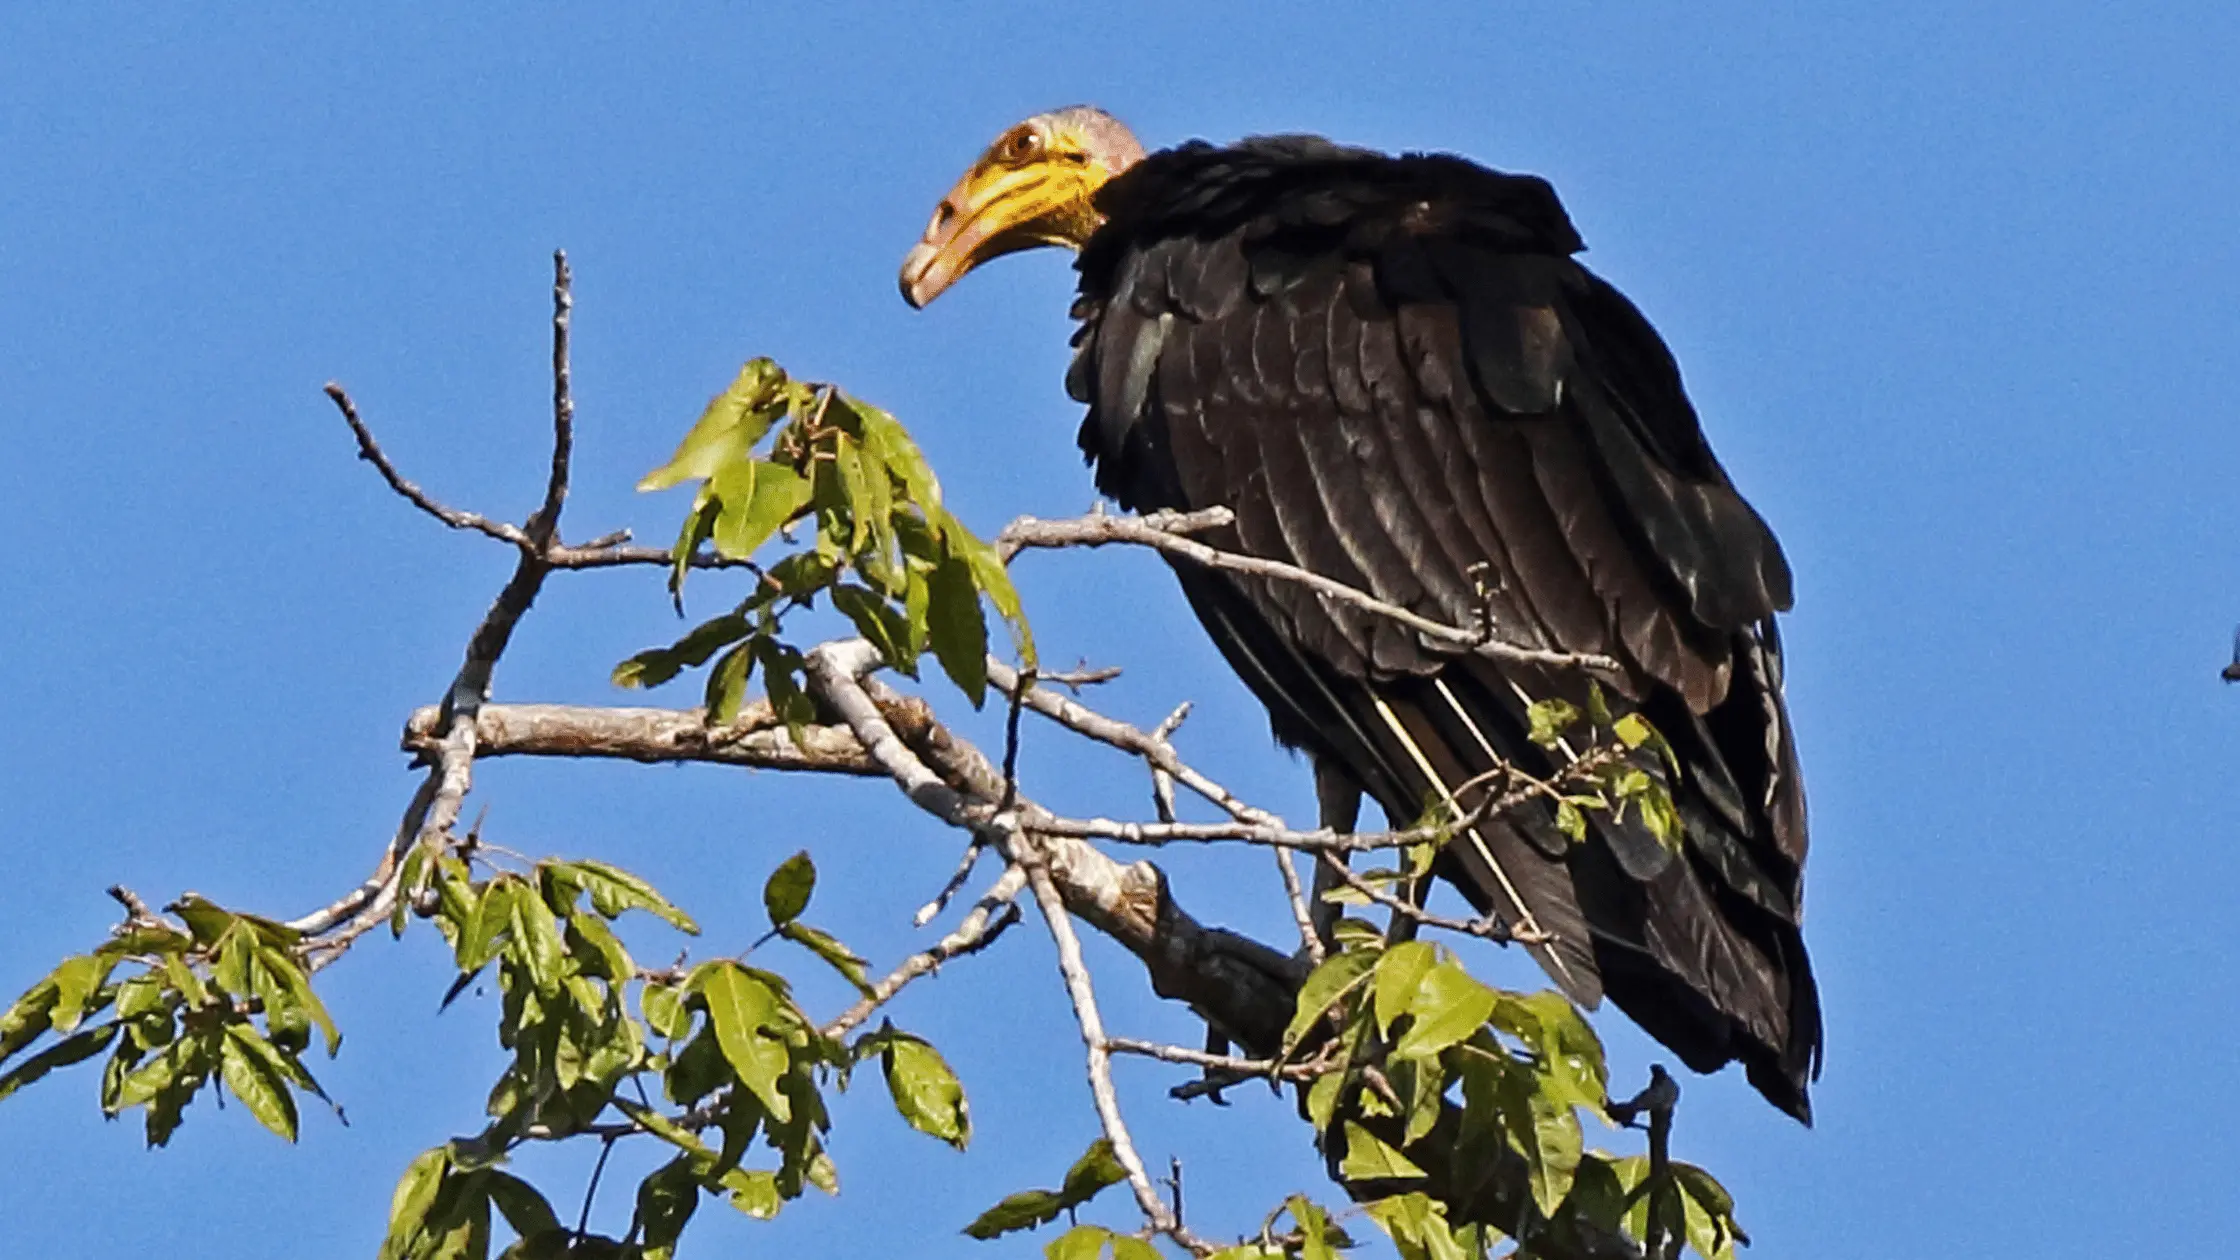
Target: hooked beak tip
922,278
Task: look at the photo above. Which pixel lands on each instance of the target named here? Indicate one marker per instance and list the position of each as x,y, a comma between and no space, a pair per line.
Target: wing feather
1395,375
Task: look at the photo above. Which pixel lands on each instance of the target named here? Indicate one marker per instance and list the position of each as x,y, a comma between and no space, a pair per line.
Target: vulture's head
1034,186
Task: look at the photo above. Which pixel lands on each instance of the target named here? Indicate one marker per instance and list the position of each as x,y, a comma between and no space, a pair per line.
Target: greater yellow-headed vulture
1396,374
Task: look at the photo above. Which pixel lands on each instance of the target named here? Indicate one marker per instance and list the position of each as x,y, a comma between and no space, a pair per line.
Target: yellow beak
996,210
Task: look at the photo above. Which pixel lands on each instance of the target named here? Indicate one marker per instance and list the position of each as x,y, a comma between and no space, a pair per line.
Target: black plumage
1396,374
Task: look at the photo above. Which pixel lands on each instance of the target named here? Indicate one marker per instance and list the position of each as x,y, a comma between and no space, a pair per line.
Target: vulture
1395,373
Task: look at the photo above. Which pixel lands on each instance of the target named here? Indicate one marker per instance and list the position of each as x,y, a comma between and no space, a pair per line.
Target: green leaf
990,575
778,494
955,627
697,1070
753,1191
601,953
739,1004
493,916
410,1201
883,433
408,883
205,918
524,1207
859,499
1711,1226
786,893
558,1244
254,1072
664,1128
1569,1053
73,1049
231,967
29,1017
733,422
1422,1085
878,621
1544,1131
1023,1210
925,1091
1314,1228
1338,975
1130,1247
1570,821
1322,1099
699,523
194,1059
665,1010
839,957
646,669
1447,1007
1082,1242
536,941
76,981
784,670
614,890
461,1219
184,979
1633,730
666,1200
140,995
144,1082
1370,1158
1097,1168
726,689
1550,719
1417,1227
1597,1196
1399,971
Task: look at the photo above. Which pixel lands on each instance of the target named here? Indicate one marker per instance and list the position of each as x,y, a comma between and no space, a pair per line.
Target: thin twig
435,809
1162,783
995,911
1081,719
1302,914
1243,1067
926,913
1488,927
583,1218
543,525
1101,1091
1027,683
1165,532
370,451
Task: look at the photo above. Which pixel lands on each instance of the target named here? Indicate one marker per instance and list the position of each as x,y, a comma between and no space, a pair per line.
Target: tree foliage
1399,1055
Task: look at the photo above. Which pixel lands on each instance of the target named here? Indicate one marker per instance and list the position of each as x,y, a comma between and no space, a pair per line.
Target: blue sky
1953,287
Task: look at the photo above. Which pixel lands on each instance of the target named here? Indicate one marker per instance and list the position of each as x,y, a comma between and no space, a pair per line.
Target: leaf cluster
225,1000
1638,779
736,1060
1403,1028
771,453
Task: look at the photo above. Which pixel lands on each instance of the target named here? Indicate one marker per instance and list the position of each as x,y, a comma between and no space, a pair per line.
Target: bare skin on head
1035,186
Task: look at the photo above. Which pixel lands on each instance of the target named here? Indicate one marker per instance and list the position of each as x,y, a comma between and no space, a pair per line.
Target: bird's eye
1022,145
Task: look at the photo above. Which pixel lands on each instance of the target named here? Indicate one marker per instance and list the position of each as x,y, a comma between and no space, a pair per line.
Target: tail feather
1698,942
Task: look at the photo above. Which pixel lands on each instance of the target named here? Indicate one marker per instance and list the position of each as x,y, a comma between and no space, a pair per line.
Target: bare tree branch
1243,1068
1101,1091
755,739
1167,533
370,451
435,809
544,524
